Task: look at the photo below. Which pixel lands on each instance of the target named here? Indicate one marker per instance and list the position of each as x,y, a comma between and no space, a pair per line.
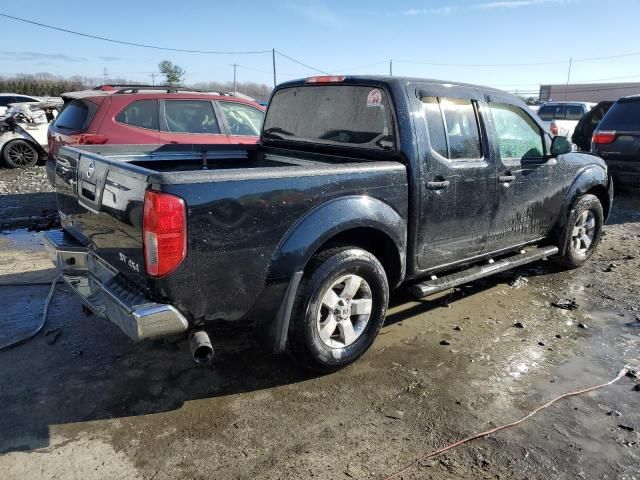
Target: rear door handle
506,178
438,185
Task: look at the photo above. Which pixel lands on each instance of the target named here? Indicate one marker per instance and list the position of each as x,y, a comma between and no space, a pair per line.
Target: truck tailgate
101,205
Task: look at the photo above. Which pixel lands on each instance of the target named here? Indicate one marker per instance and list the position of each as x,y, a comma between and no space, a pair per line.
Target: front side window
73,116
190,116
345,115
141,113
518,135
242,119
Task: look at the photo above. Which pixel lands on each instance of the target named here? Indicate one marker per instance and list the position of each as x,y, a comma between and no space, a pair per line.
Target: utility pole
153,78
105,74
235,89
273,53
568,77
391,67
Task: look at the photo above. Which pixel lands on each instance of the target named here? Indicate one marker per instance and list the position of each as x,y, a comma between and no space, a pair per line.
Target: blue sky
334,36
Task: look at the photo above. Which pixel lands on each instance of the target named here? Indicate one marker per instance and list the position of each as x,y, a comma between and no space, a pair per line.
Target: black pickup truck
360,185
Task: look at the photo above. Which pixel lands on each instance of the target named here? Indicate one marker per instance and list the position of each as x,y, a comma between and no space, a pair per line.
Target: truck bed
241,203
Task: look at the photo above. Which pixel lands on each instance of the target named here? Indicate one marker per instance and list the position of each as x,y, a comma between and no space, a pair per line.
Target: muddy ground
81,401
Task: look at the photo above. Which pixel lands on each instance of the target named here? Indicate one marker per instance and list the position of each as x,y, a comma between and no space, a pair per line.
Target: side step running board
474,273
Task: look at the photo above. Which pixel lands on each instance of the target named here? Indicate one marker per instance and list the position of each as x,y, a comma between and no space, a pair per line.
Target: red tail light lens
164,232
553,128
91,139
325,79
603,138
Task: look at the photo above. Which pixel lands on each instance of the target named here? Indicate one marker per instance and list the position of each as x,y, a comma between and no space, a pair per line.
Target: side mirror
560,146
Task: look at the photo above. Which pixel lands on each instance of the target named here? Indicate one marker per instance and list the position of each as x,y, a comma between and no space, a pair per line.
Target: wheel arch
361,221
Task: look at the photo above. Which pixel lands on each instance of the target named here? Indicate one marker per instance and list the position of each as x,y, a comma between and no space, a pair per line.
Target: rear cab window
622,116
73,117
344,115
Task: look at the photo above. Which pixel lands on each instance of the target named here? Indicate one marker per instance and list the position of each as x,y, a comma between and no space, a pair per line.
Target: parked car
23,132
561,118
617,140
586,126
359,185
7,98
153,115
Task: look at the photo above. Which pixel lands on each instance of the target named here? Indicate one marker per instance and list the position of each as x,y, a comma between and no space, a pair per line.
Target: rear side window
73,116
25,99
453,127
190,116
141,113
574,112
242,119
623,116
518,135
346,115
552,112
4,101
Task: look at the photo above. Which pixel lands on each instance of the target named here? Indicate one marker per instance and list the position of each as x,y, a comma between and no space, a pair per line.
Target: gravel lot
27,199
81,401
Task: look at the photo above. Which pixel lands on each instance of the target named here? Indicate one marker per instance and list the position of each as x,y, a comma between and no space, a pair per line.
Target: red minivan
132,114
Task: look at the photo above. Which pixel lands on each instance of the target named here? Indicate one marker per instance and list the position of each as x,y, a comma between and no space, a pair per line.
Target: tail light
164,232
603,138
90,139
325,79
553,128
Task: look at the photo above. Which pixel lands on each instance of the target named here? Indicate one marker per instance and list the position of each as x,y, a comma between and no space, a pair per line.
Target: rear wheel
339,309
582,231
20,154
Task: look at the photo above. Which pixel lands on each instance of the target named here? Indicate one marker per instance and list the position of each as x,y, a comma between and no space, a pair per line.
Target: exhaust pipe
201,348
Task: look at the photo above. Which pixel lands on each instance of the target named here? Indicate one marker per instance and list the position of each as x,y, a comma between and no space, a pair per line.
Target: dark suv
617,140
587,125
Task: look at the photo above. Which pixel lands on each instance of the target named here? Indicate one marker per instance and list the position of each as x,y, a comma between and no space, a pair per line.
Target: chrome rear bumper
107,294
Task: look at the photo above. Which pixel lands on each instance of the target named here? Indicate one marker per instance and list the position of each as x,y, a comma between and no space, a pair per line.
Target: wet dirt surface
27,200
80,400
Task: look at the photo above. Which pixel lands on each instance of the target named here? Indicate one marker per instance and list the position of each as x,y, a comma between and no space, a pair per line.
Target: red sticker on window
374,99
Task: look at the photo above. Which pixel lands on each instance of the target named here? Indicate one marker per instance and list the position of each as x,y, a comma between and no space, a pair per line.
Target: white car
561,118
23,132
8,98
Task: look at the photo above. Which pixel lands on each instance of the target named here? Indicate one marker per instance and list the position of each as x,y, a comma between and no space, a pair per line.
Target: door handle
438,185
507,178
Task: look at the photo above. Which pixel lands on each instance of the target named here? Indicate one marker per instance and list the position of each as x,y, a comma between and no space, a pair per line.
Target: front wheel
339,308
20,154
582,231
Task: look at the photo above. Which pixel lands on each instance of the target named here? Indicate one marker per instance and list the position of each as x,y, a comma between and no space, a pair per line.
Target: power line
300,63
133,44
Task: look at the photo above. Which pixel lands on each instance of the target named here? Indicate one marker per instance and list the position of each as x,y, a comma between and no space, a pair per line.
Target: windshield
348,115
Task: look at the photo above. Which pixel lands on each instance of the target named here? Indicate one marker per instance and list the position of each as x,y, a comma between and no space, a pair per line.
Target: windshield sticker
374,99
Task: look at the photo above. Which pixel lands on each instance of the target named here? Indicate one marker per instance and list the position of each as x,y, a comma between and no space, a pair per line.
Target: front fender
328,220
590,176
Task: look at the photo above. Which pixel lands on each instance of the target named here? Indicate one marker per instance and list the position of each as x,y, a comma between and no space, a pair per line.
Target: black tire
20,154
305,342
576,251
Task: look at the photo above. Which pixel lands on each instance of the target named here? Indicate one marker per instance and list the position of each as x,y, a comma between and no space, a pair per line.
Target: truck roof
400,81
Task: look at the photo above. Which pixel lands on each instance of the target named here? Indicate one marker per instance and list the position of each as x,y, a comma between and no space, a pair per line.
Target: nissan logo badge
90,169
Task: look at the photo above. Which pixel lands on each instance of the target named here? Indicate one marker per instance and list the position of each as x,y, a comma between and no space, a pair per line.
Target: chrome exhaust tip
200,346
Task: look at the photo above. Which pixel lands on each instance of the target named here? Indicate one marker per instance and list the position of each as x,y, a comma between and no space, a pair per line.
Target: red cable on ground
442,450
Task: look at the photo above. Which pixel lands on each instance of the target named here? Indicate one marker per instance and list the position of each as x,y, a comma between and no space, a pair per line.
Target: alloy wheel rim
21,154
583,233
344,311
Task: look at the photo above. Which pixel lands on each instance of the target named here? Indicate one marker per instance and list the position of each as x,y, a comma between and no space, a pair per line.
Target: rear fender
330,219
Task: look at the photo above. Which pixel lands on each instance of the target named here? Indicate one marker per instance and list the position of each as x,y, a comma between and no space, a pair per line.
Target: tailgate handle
508,177
437,185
